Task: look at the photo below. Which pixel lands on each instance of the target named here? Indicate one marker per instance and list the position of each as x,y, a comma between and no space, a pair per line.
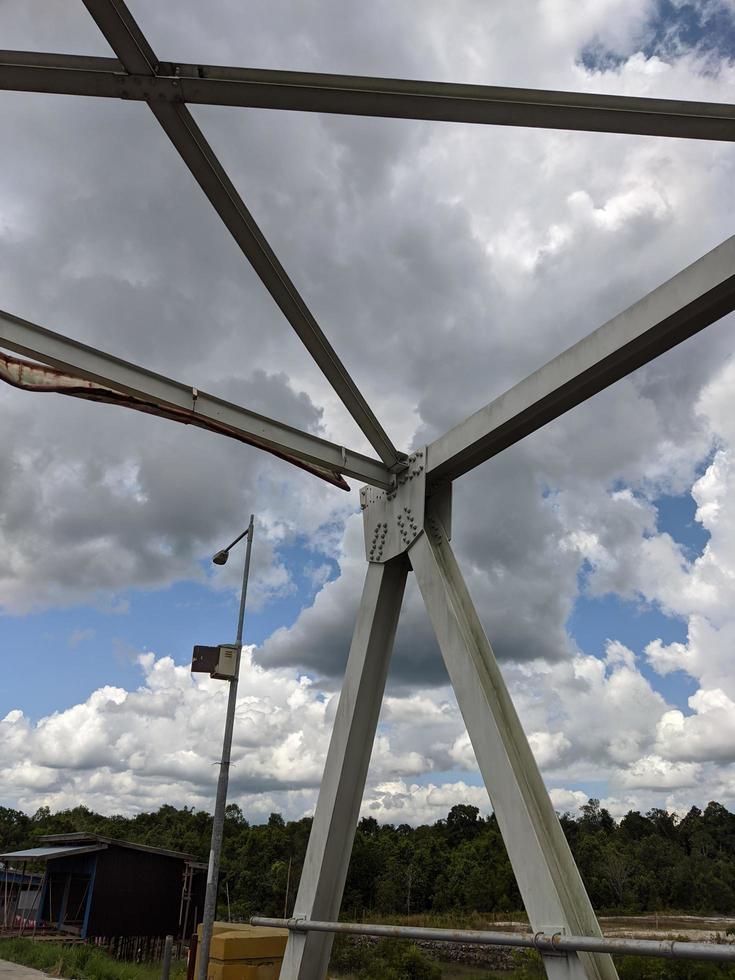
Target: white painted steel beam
333,831
366,96
94,365
696,297
136,56
550,885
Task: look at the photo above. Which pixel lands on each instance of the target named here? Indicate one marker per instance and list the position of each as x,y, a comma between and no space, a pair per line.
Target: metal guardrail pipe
543,942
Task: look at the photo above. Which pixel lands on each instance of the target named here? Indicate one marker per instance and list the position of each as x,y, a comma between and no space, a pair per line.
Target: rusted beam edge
367,96
39,378
182,402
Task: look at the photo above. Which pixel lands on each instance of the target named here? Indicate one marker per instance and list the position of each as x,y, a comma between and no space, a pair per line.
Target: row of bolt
435,530
405,522
376,546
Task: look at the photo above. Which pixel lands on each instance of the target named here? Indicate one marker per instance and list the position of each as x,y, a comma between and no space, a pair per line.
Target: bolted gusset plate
393,519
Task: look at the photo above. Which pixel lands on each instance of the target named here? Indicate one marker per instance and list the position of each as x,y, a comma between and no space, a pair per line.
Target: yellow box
255,943
244,970
239,951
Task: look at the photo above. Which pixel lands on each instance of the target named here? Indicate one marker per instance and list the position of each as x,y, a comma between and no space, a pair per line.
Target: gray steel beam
696,297
340,794
365,96
63,74
87,362
552,890
124,37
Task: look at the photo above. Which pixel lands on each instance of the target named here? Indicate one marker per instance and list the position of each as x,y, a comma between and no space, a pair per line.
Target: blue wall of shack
75,864
19,878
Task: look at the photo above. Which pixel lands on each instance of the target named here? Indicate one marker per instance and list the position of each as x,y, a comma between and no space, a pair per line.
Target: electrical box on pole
226,662
219,662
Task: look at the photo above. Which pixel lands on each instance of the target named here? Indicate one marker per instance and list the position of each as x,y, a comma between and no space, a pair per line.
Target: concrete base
16,971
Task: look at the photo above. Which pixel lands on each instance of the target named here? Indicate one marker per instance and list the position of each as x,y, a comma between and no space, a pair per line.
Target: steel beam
668,949
366,96
123,35
696,297
127,41
549,882
94,365
333,830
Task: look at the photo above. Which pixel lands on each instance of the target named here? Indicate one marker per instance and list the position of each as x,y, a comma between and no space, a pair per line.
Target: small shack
97,886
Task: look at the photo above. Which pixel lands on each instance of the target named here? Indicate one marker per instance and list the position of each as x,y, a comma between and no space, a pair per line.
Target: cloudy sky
445,262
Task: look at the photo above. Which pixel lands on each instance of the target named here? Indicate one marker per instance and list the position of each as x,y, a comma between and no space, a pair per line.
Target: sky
445,263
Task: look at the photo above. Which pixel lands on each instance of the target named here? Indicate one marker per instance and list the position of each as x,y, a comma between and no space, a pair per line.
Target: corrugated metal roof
114,842
44,853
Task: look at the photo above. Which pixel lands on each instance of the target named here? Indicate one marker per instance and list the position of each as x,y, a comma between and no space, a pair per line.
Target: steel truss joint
394,518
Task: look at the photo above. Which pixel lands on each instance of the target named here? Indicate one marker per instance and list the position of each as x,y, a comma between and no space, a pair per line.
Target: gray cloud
444,262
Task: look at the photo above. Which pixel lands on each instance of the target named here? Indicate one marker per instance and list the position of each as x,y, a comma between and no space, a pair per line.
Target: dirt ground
698,927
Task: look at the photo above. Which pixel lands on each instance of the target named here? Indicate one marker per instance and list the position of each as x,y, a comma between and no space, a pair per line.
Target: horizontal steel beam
94,365
544,942
365,96
693,299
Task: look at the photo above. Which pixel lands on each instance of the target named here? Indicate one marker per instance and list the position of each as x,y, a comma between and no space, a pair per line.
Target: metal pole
191,957
218,822
544,942
288,884
166,965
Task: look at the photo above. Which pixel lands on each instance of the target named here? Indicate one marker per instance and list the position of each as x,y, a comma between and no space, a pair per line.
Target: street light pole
218,822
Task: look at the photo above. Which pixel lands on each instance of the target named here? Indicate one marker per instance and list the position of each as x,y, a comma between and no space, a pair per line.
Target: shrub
390,959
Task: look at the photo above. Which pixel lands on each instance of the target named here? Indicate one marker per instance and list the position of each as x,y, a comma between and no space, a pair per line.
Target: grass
80,961
458,972
454,972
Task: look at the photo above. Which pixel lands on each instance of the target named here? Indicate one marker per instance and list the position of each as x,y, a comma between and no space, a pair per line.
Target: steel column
333,831
550,885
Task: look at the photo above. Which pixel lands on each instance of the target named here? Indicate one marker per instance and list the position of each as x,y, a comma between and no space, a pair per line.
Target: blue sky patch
60,656
672,28
676,517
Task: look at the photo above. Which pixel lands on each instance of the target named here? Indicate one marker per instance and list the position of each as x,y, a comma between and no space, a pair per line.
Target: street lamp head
221,557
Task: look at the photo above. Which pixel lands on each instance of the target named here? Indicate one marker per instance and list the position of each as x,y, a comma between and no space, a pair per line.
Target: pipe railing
557,942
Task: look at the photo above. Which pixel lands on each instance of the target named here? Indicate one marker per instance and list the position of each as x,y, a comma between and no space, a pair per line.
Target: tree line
643,863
